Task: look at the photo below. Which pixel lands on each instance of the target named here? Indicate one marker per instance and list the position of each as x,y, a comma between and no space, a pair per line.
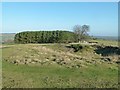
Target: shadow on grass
108,50
75,47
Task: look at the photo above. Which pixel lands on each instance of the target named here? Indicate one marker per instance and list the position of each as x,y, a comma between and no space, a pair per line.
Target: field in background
107,37
7,37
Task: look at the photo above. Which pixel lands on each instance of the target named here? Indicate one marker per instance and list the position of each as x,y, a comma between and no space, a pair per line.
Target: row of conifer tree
45,37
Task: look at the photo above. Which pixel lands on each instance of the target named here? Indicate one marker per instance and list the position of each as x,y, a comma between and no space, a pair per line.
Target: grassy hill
58,65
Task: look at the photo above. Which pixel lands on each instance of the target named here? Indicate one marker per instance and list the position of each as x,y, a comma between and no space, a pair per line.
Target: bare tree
81,32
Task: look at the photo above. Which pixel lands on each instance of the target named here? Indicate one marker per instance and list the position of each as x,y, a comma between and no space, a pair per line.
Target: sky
102,17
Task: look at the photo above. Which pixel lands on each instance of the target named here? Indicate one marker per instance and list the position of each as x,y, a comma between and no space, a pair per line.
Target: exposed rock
14,62
77,66
33,62
46,59
29,60
54,59
36,59
118,62
106,59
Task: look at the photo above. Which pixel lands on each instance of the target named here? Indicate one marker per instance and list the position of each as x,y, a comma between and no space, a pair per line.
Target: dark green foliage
76,47
108,50
44,37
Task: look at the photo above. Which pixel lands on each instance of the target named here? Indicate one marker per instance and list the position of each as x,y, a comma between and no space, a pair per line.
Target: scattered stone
118,62
54,59
36,60
88,61
77,66
106,59
33,62
14,62
47,60
64,62
39,61
26,62
29,60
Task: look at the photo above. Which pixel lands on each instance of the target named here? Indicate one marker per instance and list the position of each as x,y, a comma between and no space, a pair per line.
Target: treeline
44,37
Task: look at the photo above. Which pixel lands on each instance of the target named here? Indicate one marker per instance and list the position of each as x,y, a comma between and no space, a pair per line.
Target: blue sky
32,16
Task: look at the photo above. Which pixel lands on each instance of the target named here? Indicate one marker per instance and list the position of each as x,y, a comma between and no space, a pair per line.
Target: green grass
55,76
106,42
100,74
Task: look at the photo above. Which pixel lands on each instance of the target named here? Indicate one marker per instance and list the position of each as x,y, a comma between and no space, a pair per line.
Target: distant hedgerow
44,37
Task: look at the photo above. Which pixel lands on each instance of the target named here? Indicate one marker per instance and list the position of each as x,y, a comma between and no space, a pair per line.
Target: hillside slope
57,65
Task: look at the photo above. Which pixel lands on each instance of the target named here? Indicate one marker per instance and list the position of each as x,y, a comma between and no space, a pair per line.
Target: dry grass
53,65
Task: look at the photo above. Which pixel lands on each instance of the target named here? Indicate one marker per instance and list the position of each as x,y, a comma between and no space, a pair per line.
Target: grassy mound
57,65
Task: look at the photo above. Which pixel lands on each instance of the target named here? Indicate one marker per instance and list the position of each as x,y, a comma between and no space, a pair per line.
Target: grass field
56,65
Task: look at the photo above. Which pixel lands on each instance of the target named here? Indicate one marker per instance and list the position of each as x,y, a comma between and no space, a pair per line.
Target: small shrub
76,47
